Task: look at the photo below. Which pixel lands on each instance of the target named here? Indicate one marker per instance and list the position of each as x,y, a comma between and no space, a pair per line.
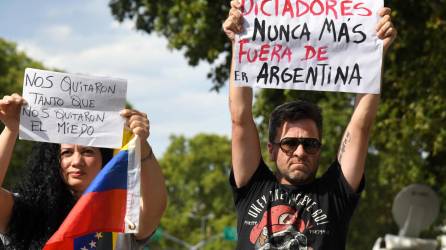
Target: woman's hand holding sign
10,111
137,122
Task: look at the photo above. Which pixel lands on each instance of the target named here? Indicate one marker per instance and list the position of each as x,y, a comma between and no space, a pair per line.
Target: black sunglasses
290,144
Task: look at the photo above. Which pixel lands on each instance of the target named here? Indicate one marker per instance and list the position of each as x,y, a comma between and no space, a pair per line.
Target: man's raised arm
246,152
354,145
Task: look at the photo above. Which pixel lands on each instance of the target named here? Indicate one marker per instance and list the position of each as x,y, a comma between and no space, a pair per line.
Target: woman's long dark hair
42,200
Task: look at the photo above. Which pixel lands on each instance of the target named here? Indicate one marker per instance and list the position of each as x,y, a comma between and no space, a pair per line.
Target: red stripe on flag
94,212
65,245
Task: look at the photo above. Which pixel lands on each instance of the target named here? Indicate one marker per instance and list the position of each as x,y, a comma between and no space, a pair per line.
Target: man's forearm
354,145
240,100
245,139
366,107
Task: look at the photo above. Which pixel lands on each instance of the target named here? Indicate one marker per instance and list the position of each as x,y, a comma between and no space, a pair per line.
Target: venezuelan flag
96,241
110,203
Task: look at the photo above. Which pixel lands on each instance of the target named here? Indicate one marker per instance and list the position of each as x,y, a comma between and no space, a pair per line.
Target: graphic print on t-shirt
287,223
284,230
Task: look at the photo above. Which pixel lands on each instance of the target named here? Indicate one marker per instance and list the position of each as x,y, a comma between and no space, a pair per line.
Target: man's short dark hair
292,112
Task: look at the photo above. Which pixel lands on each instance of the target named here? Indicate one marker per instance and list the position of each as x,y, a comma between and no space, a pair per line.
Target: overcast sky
82,37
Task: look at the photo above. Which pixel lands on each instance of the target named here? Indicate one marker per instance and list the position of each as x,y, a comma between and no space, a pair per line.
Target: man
291,209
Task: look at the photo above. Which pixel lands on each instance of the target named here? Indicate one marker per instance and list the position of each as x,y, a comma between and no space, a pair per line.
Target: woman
56,177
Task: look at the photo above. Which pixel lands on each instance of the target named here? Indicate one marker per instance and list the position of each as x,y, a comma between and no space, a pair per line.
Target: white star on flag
93,244
98,236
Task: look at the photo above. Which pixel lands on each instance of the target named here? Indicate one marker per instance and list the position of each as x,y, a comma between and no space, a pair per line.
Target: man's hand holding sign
308,45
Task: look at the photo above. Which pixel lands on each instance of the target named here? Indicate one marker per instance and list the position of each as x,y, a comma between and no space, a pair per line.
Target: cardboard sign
72,109
323,45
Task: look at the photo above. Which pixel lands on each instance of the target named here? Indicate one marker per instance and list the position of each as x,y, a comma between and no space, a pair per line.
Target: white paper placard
72,108
322,45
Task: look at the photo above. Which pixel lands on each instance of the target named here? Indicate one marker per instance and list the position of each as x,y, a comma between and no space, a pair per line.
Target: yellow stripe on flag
114,238
127,135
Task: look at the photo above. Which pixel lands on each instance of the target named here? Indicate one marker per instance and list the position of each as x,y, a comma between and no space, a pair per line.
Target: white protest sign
72,109
323,45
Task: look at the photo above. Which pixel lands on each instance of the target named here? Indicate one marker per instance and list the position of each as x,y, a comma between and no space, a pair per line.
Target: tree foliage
193,26
409,139
12,68
200,199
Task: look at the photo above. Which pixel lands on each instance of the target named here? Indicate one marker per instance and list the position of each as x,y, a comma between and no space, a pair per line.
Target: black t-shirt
307,217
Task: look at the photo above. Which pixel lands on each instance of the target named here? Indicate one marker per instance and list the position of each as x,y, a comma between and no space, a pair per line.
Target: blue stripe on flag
112,176
85,242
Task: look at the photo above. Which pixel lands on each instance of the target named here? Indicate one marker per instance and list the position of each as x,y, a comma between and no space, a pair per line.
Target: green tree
200,199
12,69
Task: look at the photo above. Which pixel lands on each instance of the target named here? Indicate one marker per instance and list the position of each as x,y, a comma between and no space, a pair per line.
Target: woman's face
79,166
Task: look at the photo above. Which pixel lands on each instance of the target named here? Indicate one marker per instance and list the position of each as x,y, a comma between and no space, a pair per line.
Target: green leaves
12,69
200,200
